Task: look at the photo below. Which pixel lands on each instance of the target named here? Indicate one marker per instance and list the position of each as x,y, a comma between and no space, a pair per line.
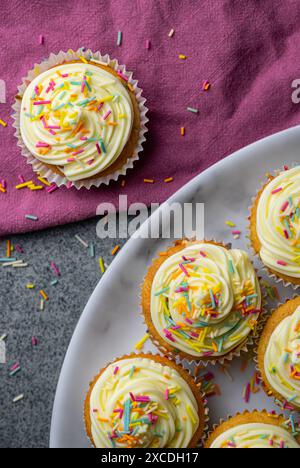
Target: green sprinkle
193,110
120,38
31,217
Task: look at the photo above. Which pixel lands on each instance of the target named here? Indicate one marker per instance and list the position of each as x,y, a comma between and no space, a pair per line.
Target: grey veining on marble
226,189
27,423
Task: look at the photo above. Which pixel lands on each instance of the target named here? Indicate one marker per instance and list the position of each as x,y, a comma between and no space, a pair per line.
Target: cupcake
274,229
257,430
81,120
201,301
144,401
278,354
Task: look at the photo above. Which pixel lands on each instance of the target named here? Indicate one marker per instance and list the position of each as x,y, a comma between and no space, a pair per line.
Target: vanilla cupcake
144,401
275,225
257,430
81,121
279,355
201,301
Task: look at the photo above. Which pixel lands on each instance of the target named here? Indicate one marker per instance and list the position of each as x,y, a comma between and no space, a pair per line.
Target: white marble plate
111,325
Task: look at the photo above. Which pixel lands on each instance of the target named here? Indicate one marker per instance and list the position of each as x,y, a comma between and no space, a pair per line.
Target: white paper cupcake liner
190,373
243,348
58,59
265,319
271,274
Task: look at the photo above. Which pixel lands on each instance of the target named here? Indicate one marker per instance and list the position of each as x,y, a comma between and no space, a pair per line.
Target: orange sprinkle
182,131
148,181
8,248
2,189
44,295
115,250
170,179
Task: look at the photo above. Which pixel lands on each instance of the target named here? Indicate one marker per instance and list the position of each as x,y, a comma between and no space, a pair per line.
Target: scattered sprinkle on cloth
2,352
246,50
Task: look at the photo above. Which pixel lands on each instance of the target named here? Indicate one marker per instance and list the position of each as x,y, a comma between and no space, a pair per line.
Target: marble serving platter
111,324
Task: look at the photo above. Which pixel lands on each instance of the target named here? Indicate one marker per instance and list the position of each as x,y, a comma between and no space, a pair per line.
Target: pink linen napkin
246,49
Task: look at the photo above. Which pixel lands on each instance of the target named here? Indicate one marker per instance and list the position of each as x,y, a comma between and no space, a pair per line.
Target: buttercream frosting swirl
278,223
255,436
77,116
205,300
140,403
282,359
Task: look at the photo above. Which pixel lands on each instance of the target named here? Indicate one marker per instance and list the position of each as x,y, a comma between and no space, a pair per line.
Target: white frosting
169,419
282,359
88,107
205,300
278,223
255,436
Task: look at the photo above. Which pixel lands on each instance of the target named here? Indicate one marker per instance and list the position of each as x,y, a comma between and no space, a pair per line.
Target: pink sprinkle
55,269
90,162
123,76
15,366
100,106
148,44
284,206
142,399
3,183
53,127
70,159
282,446
282,263
107,115
83,138
132,396
41,103
189,321
52,132
208,354
203,254
19,248
37,90
69,185
40,144
34,341
52,188
116,370
44,122
277,191
231,444
271,442
167,394
247,395
184,270
41,39
78,152
95,410
21,179
98,148
236,233
65,75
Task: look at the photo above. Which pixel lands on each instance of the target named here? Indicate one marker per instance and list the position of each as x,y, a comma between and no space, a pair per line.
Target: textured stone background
27,423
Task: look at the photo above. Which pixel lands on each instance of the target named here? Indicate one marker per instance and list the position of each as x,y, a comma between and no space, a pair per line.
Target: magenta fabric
247,49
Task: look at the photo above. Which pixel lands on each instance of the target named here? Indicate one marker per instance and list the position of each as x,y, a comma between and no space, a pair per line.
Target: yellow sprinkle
30,286
170,179
44,295
44,181
101,265
230,224
4,124
148,181
36,187
182,131
141,343
190,413
182,57
26,184
115,250
83,59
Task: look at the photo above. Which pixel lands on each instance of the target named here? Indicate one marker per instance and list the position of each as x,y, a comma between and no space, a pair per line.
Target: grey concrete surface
27,423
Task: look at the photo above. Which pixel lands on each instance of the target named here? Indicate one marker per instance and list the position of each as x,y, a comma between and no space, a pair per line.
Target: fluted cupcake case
178,355
45,170
203,411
